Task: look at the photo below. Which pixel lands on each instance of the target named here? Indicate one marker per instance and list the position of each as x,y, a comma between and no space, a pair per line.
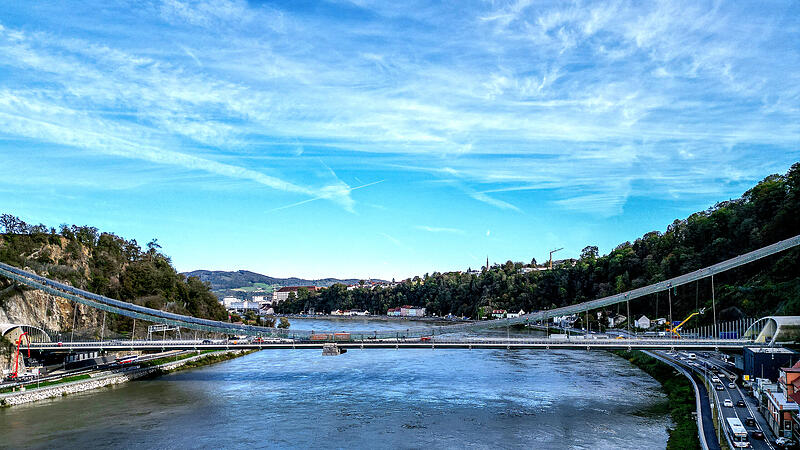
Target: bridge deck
551,344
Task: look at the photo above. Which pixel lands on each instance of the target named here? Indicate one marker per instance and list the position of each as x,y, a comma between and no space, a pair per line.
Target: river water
363,399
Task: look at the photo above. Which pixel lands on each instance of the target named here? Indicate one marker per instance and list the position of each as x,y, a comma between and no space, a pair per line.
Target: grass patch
200,362
50,383
681,397
169,359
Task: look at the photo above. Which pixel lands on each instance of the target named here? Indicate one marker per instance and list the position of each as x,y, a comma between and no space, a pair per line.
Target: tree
13,225
284,323
589,253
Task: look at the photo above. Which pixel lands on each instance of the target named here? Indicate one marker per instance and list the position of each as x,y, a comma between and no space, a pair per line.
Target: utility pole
669,296
103,328
74,317
551,257
628,319
714,305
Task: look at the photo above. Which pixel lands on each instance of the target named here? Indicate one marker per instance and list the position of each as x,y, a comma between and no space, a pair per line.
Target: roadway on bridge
574,343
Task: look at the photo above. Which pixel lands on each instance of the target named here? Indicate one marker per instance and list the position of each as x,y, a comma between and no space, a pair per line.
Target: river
364,399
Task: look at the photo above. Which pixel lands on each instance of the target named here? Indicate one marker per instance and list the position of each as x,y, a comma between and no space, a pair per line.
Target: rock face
22,305
48,312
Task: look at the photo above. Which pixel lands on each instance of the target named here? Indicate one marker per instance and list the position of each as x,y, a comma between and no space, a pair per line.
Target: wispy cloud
499,103
481,197
439,229
392,239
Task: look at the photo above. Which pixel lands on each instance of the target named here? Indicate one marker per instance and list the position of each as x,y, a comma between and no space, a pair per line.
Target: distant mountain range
225,280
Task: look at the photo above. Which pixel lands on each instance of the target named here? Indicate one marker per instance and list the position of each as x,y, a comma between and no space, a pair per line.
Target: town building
412,311
244,305
642,323
782,403
404,311
499,313
283,293
564,321
531,269
766,362
228,301
515,315
617,320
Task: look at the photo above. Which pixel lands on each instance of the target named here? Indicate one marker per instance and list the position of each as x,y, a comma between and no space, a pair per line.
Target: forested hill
105,264
222,280
767,213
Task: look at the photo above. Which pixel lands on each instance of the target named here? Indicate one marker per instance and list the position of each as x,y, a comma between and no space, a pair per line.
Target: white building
642,323
412,311
616,321
228,301
240,305
515,315
283,293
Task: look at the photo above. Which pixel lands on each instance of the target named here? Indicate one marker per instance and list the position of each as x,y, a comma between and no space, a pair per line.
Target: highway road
703,367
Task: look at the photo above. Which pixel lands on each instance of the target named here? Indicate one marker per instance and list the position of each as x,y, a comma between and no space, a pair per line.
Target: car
719,387
207,341
60,344
732,385
784,442
757,434
715,379
750,422
740,404
728,403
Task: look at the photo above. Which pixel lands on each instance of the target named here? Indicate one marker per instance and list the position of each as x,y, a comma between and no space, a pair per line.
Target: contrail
348,190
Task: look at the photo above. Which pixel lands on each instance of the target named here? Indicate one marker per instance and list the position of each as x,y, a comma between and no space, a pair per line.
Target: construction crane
551,256
675,328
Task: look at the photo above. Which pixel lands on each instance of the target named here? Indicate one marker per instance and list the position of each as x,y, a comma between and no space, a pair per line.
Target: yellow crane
675,328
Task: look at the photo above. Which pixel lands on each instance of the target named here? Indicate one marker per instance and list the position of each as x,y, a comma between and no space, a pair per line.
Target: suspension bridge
306,337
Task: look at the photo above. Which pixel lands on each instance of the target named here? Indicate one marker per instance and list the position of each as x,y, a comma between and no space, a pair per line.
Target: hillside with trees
244,284
765,214
105,264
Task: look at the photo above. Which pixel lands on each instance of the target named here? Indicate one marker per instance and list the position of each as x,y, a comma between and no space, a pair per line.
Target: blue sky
389,139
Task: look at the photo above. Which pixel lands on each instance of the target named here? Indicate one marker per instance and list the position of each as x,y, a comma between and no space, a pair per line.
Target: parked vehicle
784,442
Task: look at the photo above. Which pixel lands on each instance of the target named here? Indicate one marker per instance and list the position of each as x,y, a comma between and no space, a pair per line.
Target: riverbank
87,383
428,319
683,435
